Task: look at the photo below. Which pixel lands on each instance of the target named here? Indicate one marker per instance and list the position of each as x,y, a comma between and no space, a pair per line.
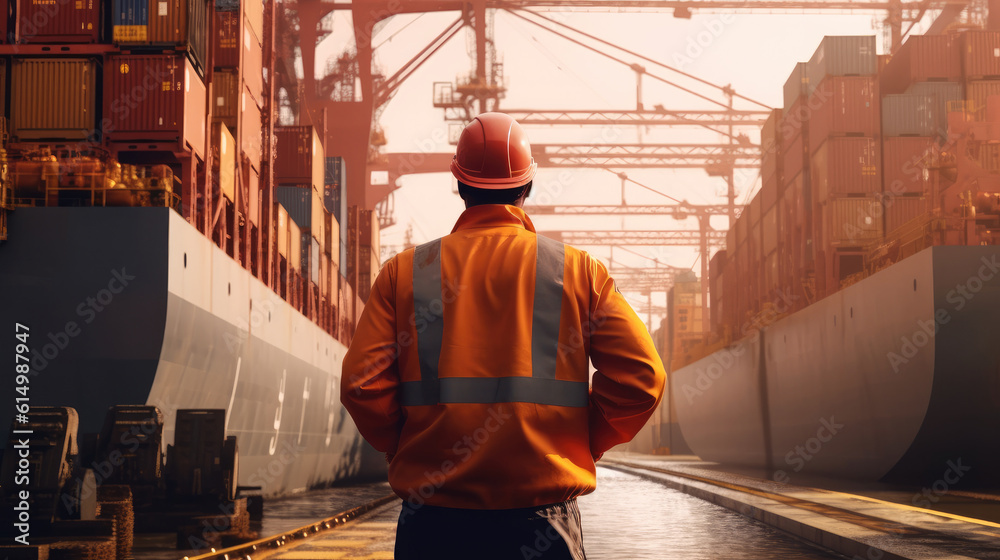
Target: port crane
354,88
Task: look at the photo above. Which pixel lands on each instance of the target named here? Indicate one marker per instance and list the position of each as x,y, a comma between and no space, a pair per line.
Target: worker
469,369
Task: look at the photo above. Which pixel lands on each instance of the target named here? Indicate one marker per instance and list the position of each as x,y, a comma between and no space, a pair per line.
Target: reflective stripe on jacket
469,367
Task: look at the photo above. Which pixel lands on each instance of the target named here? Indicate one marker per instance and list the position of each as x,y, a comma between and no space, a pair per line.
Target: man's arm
630,377
370,376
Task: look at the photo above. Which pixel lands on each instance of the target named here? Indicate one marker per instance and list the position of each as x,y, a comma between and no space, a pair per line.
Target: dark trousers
550,532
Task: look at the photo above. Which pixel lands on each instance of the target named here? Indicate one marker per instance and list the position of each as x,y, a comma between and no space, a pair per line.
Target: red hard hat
493,153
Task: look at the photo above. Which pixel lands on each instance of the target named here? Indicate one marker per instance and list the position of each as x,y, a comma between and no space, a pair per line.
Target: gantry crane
354,91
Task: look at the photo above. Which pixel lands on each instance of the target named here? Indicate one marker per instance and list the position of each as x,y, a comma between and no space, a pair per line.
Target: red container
299,156
847,165
770,230
154,98
4,17
770,145
251,125
844,105
768,193
40,21
981,54
901,209
227,40
793,157
795,121
904,161
923,58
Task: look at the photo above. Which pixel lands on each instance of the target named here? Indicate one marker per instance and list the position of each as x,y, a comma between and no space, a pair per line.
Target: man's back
470,367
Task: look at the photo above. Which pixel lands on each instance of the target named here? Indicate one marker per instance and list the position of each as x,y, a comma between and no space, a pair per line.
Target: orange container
53,98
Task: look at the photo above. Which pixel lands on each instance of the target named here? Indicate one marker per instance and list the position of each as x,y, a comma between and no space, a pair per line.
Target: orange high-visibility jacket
469,367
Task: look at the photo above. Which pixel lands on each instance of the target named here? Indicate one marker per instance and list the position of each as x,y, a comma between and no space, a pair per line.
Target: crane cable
647,59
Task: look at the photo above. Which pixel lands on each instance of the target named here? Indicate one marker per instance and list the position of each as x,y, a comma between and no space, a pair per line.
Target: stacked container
46,22
53,98
335,200
363,250
177,25
845,159
154,98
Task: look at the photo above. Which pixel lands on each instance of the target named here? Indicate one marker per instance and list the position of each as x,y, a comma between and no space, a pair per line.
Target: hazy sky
754,53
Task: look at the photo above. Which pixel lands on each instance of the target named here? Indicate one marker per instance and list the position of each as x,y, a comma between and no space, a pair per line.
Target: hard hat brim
519,180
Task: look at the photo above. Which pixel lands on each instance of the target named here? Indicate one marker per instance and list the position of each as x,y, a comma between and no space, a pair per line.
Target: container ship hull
135,306
896,377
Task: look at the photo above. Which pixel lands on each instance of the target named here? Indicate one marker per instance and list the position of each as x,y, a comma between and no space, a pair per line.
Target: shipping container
224,157
253,11
155,98
253,66
844,106
908,115
978,94
3,85
900,210
333,188
300,156
796,86
943,93
336,203
130,22
793,157
251,130
318,219
227,40
988,157
227,6
795,121
850,221
53,99
768,192
182,23
980,54
754,211
226,94
254,197
770,146
41,21
282,228
922,58
769,229
310,257
6,14
742,225
297,201
847,165
304,207
841,56
294,246
905,163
